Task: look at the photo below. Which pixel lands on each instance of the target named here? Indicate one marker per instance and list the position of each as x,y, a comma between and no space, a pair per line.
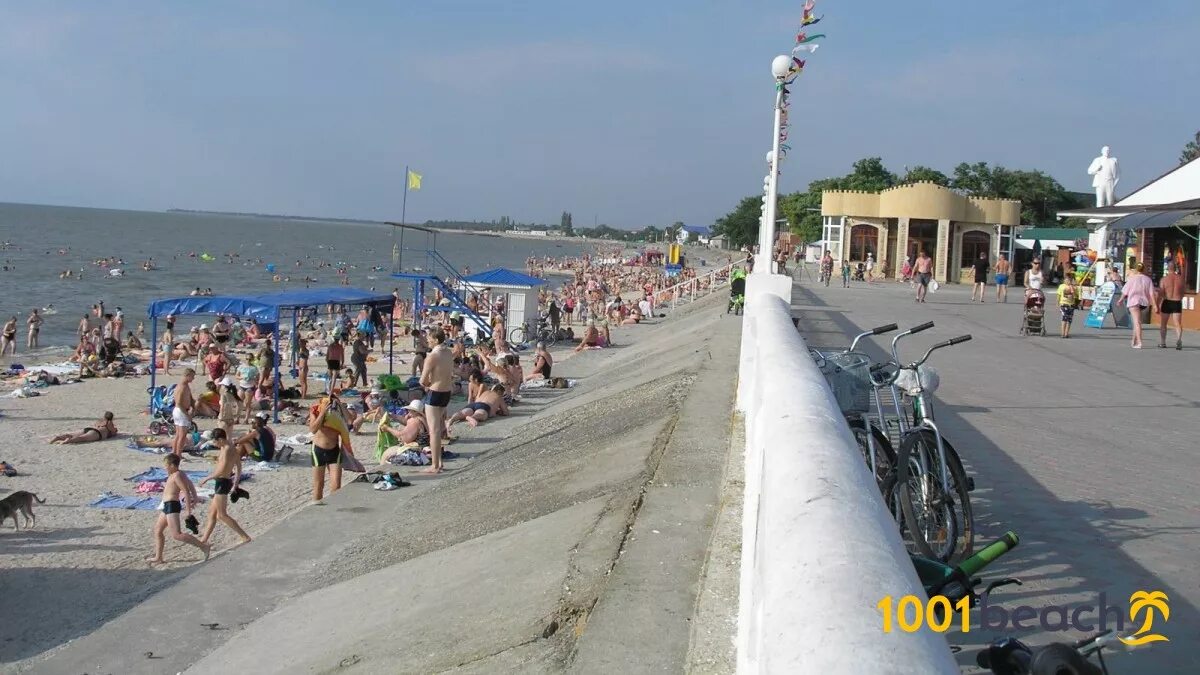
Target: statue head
1104,151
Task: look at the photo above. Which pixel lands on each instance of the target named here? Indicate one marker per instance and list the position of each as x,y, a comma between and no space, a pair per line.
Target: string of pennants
805,44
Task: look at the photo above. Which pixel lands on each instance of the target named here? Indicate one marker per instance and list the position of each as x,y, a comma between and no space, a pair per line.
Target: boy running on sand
177,483
225,479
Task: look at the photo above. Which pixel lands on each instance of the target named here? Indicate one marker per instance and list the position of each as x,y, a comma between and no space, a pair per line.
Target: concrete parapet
819,549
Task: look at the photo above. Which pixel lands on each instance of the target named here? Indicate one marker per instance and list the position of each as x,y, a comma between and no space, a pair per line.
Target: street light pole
780,67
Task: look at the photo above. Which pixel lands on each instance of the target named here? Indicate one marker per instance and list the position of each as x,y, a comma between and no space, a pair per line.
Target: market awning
1148,220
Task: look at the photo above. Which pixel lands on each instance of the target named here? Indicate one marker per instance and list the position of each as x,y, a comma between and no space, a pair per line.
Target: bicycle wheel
516,336
960,486
548,338
929,512
885,455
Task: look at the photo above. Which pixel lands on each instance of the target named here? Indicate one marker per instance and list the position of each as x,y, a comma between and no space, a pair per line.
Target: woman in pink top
1138,294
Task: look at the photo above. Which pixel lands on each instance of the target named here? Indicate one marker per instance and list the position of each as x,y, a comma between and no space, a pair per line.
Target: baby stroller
162,403
1033,319
737,292
860,272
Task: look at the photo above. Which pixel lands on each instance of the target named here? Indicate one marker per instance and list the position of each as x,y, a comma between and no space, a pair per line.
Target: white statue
1105,176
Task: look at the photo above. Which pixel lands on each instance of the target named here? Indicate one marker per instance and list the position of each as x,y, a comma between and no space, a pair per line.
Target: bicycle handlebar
878,330
910,331
941,345
918,329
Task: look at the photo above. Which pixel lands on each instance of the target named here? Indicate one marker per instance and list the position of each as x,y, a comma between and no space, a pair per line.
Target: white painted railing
819,549
691,290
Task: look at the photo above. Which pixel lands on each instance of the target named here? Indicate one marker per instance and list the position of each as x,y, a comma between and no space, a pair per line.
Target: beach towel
109,500
304,438
331,418
133,444
384,439
544,384
158,474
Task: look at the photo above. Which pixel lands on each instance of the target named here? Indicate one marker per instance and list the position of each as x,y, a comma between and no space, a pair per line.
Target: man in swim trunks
335,354
181,414
437,378
326,451
924,269
1170,307
168,518
225,477
221,330
490,402
1003,268
104,429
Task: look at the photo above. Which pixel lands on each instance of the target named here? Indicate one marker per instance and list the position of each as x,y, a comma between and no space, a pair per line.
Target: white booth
519,292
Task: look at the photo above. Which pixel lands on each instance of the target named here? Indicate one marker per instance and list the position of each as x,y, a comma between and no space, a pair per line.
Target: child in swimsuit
177,484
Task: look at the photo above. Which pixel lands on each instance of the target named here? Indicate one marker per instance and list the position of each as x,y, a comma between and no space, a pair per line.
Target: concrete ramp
468,605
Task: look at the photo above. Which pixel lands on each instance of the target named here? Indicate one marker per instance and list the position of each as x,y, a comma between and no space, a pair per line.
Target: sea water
39,243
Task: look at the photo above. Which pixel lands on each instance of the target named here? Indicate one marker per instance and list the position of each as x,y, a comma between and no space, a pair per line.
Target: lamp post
780,68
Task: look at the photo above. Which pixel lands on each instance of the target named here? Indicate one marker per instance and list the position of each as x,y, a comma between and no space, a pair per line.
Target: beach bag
934,285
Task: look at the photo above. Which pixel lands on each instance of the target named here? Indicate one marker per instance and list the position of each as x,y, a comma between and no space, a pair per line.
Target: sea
230,254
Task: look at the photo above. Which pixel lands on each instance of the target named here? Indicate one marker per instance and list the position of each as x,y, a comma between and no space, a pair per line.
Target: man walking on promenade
437,378
1002,270
1170,307
924,269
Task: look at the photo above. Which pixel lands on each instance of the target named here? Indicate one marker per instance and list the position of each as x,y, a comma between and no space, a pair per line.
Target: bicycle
545,334
933,493
852,387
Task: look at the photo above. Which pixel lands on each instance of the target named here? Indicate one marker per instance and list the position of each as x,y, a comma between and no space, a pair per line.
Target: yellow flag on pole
414,180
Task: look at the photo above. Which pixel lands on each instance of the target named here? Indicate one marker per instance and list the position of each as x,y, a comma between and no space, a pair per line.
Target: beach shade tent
266,310
521,301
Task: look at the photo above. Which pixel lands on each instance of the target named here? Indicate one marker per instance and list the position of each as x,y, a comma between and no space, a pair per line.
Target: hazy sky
636,113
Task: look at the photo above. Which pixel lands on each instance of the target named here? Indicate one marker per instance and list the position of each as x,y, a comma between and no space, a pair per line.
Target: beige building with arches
902,221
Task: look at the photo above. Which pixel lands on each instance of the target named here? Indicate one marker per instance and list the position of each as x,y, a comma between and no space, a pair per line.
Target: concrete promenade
597,533
1085,447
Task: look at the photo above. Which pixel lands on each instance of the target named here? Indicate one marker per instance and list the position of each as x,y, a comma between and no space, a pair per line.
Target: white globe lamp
781,66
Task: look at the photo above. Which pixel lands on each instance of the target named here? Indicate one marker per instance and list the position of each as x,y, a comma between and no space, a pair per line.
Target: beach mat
158,474
134,445
112,501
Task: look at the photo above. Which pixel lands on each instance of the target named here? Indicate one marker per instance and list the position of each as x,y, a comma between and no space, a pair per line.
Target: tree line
1039,193
1041,196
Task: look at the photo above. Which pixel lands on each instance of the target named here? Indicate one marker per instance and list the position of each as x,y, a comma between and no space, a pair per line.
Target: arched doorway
864,239
974,242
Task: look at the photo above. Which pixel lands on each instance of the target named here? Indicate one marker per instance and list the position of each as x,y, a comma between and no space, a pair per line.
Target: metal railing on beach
690,290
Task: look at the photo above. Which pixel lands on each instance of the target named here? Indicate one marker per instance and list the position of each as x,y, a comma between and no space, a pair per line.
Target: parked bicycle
930,487
544,333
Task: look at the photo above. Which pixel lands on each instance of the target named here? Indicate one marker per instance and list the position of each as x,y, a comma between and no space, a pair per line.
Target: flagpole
403,214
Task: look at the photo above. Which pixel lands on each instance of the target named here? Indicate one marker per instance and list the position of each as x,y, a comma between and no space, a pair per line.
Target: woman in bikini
8,345
104,429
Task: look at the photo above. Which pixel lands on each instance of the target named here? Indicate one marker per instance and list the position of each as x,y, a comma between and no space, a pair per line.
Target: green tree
740,226
803,213
1191,150
868,174
923,173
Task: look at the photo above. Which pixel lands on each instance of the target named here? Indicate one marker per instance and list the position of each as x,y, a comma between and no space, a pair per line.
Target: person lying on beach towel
489,403
104,429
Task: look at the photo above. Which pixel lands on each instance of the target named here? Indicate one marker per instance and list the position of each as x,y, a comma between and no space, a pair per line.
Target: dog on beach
19,502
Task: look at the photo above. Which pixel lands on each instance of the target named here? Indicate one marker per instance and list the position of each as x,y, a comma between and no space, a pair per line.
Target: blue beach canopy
502,276
266,308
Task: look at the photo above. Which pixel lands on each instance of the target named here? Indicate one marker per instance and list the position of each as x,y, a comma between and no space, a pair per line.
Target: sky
629,113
